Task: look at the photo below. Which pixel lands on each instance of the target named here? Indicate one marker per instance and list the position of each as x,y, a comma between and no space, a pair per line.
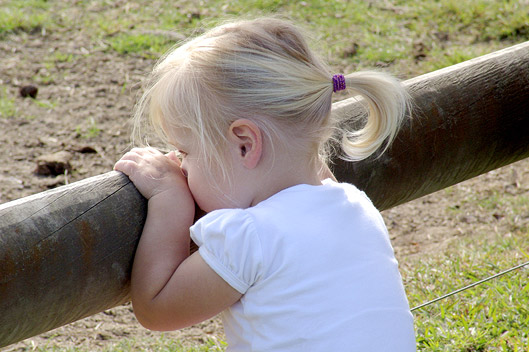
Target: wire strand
469,286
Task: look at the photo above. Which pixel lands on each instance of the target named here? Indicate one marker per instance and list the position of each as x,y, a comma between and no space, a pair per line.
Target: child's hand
152,172
169,288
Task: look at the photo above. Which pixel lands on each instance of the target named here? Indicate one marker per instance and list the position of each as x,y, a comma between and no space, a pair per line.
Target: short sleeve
229,244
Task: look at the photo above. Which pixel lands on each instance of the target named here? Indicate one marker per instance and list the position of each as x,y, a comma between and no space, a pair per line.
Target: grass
160,344
7,104
44,103
24,15
493,316
88,130
148,45
490,317
384,34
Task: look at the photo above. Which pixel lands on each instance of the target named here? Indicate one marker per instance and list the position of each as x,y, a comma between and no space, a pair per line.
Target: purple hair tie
338,83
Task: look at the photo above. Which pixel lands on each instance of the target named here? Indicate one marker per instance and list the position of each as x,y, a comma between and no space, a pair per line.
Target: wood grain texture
67,253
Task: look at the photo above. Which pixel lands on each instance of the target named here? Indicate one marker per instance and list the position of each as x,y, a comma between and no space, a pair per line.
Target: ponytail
386,101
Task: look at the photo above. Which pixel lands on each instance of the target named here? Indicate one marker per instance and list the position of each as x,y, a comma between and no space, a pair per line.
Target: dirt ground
83,108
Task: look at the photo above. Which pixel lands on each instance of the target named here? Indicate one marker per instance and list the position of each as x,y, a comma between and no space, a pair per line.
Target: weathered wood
468,119
66,253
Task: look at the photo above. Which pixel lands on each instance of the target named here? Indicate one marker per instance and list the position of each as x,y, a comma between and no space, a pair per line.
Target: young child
294,260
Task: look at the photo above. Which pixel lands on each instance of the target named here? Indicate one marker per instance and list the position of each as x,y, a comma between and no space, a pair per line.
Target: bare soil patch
83,107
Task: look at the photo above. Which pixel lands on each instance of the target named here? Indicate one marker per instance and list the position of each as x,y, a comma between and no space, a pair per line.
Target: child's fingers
151,171
143,151
146,160
139,154
174,157
125,166
125,163
130,160
151,150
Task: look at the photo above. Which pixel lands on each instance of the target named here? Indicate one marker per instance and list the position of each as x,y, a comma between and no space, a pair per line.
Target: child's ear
247,142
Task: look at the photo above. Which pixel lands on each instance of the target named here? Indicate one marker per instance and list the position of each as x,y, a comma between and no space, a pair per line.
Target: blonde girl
294,260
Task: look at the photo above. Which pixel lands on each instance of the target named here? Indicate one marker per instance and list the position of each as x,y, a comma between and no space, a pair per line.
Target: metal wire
469,286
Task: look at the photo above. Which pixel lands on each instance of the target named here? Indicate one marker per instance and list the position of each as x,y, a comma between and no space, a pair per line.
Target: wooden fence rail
66,254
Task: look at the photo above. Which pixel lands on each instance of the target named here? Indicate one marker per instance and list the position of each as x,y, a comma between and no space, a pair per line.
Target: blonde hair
263,70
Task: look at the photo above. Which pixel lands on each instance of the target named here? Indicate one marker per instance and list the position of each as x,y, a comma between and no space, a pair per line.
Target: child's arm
169,288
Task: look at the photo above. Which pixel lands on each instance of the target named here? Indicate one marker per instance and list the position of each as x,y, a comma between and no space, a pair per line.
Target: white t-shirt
316,270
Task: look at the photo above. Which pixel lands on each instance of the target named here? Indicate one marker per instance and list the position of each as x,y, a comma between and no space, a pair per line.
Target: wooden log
66,253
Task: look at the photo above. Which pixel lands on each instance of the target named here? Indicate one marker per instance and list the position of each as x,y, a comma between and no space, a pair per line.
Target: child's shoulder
287,205
349,191
222,218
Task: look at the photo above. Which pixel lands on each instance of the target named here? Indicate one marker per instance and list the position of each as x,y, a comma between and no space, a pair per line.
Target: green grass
384,34
493,316
7,104
490,317
24,15
148,45
161,344
44,103
88,130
